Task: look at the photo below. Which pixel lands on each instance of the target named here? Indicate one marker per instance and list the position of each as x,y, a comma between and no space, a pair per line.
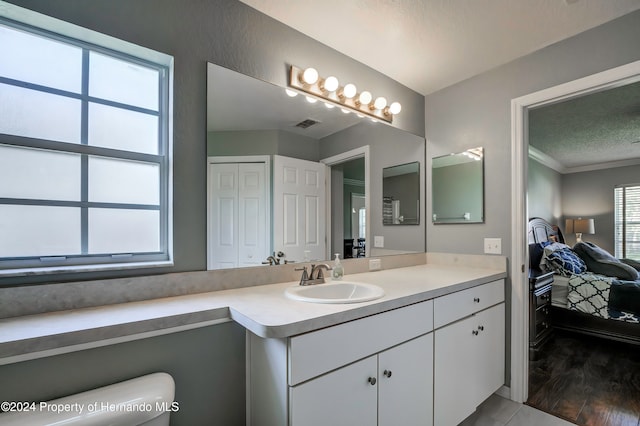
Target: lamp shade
580,226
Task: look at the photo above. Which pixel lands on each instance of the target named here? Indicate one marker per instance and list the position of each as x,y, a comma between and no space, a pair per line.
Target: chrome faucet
271,260
315,277
275,259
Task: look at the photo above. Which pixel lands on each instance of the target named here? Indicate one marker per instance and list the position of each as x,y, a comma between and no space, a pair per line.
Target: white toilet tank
146,400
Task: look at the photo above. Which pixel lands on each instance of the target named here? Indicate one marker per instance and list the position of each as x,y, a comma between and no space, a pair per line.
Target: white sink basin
335,292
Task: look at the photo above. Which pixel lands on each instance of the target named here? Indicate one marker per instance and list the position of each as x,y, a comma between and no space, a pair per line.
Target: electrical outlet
493,245
375,264
378,241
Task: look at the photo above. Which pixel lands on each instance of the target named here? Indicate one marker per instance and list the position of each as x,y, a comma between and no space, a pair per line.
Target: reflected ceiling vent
306,123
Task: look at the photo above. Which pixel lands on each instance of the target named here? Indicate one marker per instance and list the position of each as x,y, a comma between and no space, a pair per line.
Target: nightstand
539,310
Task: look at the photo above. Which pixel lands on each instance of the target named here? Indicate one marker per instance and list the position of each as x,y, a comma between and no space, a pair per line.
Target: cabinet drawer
320,351
455,306
543,299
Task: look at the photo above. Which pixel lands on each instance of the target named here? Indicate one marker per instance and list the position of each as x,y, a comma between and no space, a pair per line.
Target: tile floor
498,411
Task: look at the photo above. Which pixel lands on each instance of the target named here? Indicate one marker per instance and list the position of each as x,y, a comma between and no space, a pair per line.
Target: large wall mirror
294,181
401,194
457,184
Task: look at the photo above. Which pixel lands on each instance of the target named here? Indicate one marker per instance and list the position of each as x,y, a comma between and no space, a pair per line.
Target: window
627,221
84,154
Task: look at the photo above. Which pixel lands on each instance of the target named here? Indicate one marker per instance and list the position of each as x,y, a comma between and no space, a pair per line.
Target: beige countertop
264,310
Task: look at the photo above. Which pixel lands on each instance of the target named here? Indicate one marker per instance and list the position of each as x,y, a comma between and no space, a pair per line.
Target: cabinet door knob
481,327
372,380
476,299
387,373
475,332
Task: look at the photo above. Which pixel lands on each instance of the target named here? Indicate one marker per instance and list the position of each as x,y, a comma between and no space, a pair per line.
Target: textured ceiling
430,44
598,128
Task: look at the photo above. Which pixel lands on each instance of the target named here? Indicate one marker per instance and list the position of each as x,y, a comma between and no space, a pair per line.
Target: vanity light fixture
346,97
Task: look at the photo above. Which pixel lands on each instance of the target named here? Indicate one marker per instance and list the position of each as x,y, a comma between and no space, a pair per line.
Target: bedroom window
84,153
627,221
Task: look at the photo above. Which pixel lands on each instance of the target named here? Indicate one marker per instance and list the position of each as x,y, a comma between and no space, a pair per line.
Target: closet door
253,246
239,220
223,238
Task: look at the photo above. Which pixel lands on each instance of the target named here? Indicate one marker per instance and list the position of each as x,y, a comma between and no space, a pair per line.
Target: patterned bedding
599,296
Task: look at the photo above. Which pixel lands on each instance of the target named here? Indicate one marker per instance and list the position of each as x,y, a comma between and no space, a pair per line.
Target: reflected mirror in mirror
457,183
274,164
401,194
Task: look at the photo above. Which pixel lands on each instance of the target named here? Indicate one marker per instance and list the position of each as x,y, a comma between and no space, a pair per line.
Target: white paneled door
299,208
238,222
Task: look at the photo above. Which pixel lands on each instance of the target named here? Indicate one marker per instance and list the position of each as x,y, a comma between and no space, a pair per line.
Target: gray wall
590,194
209,376
262,142
477,112
388,147
556,197
544,193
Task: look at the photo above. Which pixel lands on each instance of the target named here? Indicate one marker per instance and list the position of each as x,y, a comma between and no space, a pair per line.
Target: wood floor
587,381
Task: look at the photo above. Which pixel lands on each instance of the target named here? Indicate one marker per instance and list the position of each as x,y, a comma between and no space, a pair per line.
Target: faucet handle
305,276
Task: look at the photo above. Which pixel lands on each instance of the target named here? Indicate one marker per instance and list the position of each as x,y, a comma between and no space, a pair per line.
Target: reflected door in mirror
238,225
299,208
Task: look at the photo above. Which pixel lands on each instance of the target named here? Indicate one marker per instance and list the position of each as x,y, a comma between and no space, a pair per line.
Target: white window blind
84,154
627,221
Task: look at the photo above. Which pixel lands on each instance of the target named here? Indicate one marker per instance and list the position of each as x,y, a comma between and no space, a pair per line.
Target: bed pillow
565,262
634,263
601,262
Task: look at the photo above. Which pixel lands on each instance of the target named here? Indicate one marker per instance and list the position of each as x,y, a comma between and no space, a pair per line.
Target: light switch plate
493,245
378,241
375,264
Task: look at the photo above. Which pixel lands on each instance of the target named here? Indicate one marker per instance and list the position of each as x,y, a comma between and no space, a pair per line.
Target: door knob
372,380
387,373
475,332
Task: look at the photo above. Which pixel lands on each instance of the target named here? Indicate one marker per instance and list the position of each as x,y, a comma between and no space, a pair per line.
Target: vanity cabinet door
345,397
490,351
454,372
405,377
469,364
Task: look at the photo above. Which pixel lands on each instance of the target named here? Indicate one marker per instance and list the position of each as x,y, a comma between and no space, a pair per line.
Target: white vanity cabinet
469,350
376,370
392,388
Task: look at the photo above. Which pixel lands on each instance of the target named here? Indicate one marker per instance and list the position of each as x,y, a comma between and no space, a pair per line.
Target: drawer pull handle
475,332
476,299
481,327
387,373
372,381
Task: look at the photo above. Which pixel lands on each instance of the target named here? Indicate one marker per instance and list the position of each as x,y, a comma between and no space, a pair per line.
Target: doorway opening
519,272
348,184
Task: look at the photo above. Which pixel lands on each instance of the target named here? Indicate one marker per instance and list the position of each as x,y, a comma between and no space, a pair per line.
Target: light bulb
395,108
349,90
364,98
380,103
330,84
310,76
311,100
291,93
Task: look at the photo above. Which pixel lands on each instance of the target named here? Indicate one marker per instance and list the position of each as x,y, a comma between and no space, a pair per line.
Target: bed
607,322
